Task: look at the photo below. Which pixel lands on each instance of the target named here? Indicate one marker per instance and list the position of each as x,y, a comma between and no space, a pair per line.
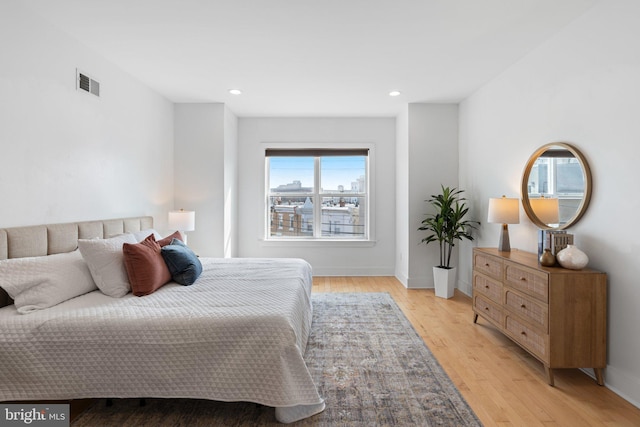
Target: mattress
238,334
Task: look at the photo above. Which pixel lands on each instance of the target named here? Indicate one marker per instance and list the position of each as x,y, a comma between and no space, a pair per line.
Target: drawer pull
523,333
486,286
524,279
523,306
486,308
486,264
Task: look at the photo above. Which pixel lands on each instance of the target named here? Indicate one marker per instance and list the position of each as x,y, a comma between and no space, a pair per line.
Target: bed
238,333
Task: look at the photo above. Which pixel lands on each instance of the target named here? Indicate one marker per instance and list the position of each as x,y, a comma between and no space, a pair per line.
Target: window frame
316,150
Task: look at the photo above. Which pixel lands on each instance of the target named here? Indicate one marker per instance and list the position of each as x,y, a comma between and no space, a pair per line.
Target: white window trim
313,241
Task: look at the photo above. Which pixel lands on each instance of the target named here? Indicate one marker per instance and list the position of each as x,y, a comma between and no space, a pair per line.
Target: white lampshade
547,210
182,220
504,210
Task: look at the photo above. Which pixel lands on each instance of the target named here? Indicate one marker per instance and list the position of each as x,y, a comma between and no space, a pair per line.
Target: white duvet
238,334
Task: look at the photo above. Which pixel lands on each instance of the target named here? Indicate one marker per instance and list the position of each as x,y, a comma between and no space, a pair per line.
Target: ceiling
312,58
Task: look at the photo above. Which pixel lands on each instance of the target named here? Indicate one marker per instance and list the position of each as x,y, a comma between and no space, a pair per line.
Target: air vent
87,84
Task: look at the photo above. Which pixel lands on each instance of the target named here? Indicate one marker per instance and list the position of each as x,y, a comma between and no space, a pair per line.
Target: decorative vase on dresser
557,315
572,258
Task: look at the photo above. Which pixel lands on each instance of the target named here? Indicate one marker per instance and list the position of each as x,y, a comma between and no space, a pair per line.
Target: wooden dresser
557,315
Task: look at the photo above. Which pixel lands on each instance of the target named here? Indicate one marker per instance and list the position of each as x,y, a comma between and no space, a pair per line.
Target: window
317,194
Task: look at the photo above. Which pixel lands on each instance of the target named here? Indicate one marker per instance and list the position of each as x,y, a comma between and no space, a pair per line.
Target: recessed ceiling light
235,91
394,93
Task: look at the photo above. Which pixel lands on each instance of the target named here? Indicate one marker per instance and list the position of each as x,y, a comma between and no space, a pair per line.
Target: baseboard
353,271
420,282
427,283
464,287
622,383
402,279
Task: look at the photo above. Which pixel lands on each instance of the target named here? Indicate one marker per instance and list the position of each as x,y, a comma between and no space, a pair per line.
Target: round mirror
556,186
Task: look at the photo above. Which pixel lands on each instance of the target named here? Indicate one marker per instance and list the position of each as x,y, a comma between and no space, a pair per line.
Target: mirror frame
586,173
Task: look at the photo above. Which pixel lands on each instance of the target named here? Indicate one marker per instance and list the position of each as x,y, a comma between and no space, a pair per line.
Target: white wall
199,169
206,175
402,197
326,258
426,157
581,87
67,155
433,161
230,184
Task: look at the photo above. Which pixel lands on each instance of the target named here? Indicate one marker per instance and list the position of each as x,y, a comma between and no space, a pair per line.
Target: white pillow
35,283
143,234
106,263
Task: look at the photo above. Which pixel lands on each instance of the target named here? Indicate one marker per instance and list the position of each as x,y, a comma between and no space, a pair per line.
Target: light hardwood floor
503,384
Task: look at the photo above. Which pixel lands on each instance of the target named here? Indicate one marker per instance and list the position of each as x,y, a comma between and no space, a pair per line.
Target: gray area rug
368,362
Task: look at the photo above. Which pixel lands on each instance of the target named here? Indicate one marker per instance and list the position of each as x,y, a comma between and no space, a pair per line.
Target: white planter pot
444,281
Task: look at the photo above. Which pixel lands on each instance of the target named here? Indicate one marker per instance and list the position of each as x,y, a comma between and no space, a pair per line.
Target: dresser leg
549,373
475,318
599,376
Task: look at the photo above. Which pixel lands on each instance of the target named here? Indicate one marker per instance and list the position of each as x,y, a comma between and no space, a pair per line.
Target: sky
342,170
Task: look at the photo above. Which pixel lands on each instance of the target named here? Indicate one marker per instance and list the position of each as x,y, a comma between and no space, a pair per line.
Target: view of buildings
342,211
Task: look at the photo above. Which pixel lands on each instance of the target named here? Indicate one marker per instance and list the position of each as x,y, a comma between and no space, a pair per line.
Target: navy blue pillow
183,264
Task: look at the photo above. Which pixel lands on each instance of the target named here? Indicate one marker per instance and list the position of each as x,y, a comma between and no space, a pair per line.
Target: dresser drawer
530,338
489,265
488,287
526,307
531,282
487,309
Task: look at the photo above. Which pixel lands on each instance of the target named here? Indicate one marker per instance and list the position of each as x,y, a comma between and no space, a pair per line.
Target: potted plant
447,225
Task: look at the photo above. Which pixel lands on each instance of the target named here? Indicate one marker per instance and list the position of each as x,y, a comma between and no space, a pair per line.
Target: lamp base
503,245
183,236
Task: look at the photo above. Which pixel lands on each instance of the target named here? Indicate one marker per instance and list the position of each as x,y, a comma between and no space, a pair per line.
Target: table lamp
504,211
182,221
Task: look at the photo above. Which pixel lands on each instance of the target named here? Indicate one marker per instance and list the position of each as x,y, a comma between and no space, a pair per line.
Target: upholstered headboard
49,239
